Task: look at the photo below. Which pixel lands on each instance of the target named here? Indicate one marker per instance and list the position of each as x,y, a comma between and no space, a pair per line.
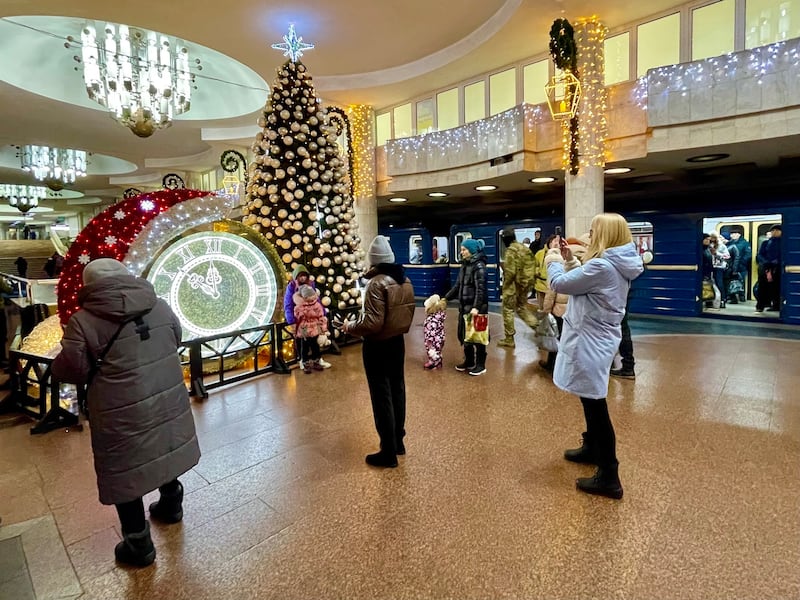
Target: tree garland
565,56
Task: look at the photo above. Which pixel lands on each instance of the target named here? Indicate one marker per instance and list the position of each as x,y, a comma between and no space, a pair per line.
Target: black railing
212,362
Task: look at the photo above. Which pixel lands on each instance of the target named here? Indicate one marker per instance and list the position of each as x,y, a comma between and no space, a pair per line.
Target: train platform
483,505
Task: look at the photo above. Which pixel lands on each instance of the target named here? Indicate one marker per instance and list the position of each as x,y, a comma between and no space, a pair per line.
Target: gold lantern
563,95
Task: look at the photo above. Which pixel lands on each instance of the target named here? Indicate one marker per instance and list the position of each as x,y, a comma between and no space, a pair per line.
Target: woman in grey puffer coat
143,434
590,338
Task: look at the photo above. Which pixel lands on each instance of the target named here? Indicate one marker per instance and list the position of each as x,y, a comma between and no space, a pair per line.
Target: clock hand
212,279
198,281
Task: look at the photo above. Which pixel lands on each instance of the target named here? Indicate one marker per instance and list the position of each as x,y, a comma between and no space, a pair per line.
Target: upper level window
402,121
659,43
534,78
447,109
502,91
712,29
769,21
618,58
383,126
475,102
424,116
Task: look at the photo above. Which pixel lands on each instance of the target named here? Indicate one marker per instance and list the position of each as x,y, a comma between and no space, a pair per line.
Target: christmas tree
298,194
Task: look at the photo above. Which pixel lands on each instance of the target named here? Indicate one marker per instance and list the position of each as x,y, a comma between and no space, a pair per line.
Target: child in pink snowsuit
433,331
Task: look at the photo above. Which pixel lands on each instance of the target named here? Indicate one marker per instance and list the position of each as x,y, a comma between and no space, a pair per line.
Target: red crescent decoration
109,236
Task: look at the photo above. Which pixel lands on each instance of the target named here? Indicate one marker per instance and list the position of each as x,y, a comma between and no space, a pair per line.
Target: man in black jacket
386,316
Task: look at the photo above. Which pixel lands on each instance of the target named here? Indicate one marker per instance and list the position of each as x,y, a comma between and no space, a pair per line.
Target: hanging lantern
563,95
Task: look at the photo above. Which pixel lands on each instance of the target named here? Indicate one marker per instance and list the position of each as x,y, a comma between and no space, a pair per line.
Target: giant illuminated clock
216,282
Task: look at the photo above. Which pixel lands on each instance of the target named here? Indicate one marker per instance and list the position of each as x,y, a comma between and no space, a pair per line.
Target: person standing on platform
591,336
386,317
743,263
470,289
518,277
300,276
22,267
769,271
123,345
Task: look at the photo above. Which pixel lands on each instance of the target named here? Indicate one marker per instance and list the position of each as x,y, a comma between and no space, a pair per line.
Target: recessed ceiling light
398,199
707,157
543,180
438,194
618,170
485,188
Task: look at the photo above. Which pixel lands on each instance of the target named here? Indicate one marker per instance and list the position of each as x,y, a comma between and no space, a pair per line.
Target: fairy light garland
110,235
756,62
592,127
362,166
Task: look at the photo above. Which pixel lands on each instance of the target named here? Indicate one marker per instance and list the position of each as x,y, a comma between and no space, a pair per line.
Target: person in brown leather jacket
387,314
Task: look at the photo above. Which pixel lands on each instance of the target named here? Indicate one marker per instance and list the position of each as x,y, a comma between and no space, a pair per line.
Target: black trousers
309,349
131,514
384,365
769,292
626,344
600,432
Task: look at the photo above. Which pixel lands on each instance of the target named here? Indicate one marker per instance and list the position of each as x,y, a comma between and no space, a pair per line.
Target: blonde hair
609,230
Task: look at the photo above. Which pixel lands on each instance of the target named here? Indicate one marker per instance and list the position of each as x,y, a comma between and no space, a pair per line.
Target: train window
415,249
524,235
460,237
642,232
440,250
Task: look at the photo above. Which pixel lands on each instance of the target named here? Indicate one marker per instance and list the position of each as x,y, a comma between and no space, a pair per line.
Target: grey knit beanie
380,251
103,267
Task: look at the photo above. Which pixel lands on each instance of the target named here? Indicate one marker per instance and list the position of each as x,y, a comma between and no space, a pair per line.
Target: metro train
671,284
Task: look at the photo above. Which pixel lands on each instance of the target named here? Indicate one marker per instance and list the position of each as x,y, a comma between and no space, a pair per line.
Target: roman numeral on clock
166,273
213,246
262,290
185,253
259,315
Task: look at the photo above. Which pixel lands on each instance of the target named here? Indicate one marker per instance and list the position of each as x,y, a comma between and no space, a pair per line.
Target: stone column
362,171
584,192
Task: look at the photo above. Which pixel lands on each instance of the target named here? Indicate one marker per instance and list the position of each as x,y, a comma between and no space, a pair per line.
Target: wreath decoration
564,51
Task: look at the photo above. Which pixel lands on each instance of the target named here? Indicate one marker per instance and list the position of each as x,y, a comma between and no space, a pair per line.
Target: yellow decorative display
362,170
563,95
590,36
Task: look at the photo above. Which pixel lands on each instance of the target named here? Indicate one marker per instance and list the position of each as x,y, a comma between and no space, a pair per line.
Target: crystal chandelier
54,166
141,76
22,197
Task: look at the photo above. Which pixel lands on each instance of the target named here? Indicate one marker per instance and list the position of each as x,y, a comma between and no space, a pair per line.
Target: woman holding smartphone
590,338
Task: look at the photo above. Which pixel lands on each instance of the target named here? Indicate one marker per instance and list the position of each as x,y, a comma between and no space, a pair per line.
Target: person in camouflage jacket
518,275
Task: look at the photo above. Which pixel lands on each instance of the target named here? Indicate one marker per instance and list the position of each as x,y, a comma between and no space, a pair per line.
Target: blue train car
424,257
490,233
672,283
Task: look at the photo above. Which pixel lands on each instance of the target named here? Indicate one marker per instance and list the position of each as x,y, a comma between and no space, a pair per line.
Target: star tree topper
293,46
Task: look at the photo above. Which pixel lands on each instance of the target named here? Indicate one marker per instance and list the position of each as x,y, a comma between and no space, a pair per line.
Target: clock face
216,283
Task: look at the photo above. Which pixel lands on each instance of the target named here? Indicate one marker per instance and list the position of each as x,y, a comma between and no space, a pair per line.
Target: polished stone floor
483,506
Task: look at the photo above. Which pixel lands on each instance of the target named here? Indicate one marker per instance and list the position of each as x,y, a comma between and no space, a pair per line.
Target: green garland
565,56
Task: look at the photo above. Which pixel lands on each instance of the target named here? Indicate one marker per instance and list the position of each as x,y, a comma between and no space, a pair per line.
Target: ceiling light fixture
23,197
141,76
707,157
54,166
398,199
438,195
543,180
617,170
485,188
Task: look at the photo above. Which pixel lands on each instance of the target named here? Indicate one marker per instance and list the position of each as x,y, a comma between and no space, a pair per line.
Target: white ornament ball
316,261
285,114
326,262
326,301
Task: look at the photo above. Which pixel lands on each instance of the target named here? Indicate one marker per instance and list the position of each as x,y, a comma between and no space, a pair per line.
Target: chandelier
22,197
141,76
54,166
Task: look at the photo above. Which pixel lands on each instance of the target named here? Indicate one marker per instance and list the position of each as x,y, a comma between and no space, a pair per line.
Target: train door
459,237
735,279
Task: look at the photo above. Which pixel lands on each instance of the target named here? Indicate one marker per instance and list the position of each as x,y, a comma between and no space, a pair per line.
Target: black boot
169,508
469,358
584,454
381,459
480,361
605,482
136,549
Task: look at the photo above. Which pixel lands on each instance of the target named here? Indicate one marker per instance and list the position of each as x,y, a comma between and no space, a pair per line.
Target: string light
471,135
756,62
590,35
362,169
110,234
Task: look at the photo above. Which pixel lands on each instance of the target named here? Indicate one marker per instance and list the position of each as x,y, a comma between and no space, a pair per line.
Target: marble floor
282,505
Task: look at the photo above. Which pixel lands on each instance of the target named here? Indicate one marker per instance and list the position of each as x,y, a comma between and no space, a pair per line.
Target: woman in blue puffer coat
590,338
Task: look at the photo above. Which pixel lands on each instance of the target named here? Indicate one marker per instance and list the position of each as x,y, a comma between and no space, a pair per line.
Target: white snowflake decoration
111,240
147,205
119,215
84,259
